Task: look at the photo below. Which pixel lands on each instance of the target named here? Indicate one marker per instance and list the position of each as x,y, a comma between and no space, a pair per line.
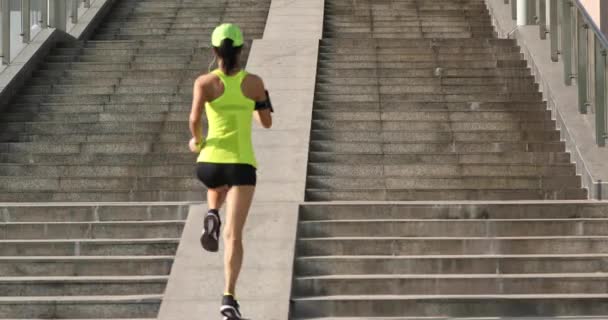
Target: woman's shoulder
253,80
253,86
206,78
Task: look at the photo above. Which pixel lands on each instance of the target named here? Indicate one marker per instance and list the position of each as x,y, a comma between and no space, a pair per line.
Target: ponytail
229,55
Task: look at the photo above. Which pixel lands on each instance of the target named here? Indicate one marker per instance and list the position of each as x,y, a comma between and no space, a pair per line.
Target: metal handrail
597,30
568,29
54,14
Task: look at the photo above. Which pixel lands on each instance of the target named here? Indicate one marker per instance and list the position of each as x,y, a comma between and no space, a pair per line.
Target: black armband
261,105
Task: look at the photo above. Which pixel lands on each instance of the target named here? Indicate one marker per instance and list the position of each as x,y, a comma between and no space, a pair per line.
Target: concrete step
437,170
447,284
183,158
345,88
449,83
428,72
94,213
451,228
437,194
81,307
93,117
336,43
507,158
178,137
426,148
459,64
394,182
90,129
491,264
133,74
459,318
91,230
82,266
82,286
435,115
89,247
116,88
419,55
454,305
428,97
96,171
112,108
496,126
395,136
115,195
432,48
551,210
450,245
411,106
102,184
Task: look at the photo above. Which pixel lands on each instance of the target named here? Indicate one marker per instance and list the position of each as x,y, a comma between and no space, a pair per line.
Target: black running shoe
211,232
230,308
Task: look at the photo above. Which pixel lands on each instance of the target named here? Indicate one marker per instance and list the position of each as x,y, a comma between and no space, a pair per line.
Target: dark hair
229,54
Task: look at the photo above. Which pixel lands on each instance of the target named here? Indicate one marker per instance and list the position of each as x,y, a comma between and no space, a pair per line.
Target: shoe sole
207,241
230,313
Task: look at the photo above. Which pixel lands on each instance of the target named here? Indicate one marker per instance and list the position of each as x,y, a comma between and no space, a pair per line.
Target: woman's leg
238,204
216,197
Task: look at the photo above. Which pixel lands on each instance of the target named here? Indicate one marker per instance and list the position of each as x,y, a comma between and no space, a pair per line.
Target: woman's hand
195,146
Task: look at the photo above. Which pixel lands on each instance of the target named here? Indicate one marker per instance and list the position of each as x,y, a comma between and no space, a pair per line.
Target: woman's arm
198,102
262,116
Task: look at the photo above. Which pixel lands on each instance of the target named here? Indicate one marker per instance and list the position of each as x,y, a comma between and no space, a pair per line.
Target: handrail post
553,30
5,32
74,11
44,12
514,9
57,14
542,18
566,43
583,62
26,26
600,93
531,12
87,3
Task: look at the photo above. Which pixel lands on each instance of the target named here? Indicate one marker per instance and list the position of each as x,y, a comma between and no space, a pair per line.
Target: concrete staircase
416,100
106,119
408,261
86,261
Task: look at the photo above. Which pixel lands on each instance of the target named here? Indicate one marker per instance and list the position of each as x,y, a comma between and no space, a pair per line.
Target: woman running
226,161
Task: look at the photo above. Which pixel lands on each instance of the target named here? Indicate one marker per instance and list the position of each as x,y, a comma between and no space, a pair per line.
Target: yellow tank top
229,116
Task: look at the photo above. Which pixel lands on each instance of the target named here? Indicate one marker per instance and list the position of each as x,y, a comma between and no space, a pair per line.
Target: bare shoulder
205,80
253,87
254,80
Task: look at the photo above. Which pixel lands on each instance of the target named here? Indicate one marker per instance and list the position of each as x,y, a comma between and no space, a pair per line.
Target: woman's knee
232,235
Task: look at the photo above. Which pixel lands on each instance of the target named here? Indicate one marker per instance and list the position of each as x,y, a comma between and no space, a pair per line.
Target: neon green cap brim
227,31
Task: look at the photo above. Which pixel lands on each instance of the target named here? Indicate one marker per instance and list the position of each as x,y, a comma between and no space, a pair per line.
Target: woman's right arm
198,101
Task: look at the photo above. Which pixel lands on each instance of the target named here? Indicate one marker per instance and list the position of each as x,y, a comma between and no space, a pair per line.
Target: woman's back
229,115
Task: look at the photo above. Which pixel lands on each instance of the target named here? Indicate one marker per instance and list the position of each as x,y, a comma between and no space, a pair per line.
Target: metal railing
20,19
582,46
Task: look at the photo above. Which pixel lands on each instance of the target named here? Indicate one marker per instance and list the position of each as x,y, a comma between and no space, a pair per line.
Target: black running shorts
215,175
